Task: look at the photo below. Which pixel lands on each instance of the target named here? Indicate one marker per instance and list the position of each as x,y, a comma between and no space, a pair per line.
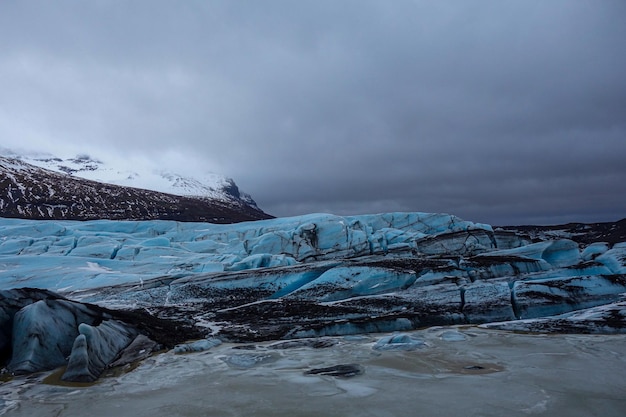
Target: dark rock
245,347
300,343
474,367
344,371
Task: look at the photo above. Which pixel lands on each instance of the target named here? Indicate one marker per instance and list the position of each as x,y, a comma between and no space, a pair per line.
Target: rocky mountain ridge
209,186
31,192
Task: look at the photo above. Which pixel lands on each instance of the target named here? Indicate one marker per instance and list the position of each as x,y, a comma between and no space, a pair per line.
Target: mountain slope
208,186
27,191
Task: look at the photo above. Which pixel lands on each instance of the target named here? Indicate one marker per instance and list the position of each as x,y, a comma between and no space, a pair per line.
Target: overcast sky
504,112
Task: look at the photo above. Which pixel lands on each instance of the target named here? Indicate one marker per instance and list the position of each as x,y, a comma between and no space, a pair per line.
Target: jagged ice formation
308,276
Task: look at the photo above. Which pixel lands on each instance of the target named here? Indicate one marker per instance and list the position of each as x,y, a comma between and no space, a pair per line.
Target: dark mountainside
30,192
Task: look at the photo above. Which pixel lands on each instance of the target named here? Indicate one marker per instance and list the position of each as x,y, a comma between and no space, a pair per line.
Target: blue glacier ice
400,341
488,301
300,277
95,347
43,334
92,254
452,336
602,319
139,349
614,258
197,346
353,281
558,253
594,250
548,297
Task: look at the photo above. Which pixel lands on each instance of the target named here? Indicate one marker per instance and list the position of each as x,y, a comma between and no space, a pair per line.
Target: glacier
86,294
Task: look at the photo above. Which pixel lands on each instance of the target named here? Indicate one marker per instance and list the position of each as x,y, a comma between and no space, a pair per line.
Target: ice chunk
615,258
15,246
346,282
486,301
343,371
558,253
197,346
95,347
594,250
12,301
264,260
96,247
452,336
605,319
43,334
470,242
400,341
140,348
495,265
560,295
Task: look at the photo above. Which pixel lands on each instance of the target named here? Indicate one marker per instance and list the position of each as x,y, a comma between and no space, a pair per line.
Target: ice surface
127,252
489,373
249,360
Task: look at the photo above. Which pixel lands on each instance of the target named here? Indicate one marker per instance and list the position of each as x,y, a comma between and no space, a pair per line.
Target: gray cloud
502,112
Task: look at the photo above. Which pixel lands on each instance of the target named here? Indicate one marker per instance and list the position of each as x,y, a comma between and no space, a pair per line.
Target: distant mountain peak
206,186
67,189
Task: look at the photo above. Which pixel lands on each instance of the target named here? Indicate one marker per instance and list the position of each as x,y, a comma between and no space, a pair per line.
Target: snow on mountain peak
208,185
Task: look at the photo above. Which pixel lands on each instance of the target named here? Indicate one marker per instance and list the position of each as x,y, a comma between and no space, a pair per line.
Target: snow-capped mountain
32,192
209,185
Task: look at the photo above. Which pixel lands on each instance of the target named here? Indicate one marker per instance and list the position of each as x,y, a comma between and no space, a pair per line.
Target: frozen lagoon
458,370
